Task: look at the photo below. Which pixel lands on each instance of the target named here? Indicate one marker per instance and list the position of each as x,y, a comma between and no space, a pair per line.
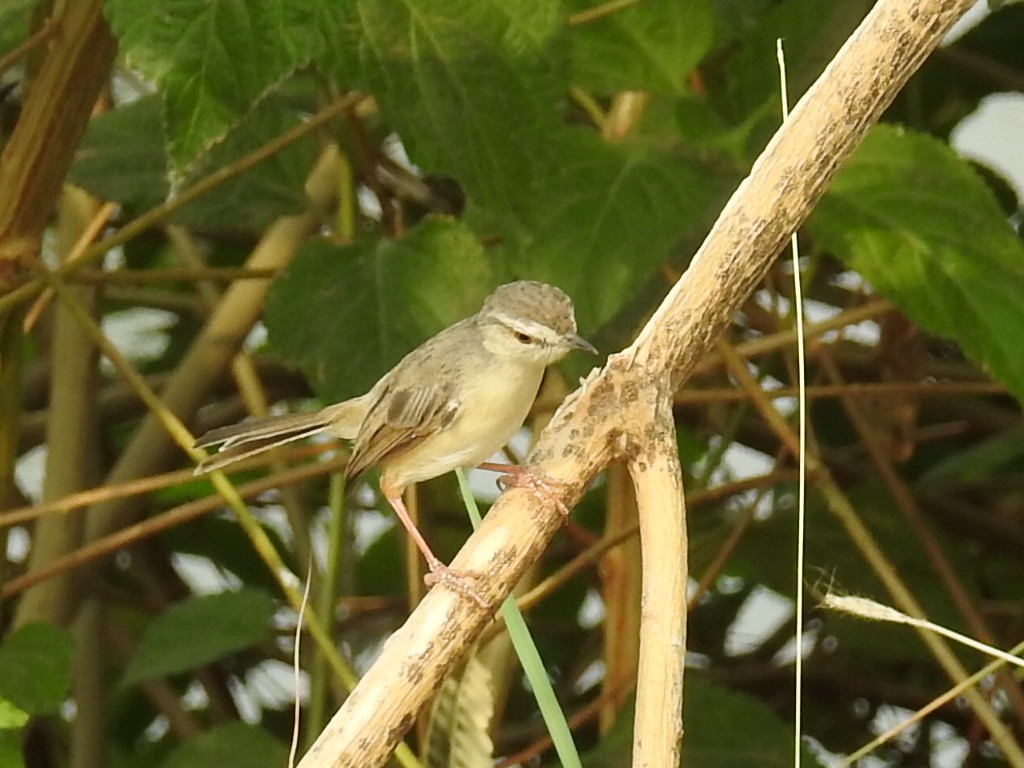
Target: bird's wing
401,417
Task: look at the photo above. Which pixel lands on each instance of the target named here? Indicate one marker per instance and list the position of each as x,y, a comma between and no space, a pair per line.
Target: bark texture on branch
658,479
590,428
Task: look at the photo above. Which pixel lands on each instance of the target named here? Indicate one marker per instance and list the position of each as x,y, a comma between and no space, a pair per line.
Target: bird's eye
523,338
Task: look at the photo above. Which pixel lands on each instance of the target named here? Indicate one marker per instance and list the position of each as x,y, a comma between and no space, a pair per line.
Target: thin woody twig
160,212
88,235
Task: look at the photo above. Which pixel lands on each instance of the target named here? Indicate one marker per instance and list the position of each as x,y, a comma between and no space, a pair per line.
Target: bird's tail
251,438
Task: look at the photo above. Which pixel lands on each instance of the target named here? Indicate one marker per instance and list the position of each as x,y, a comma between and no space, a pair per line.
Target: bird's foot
455,580
545,488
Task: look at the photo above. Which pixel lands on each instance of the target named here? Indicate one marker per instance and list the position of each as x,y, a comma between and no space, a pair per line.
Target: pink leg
516,476
439,572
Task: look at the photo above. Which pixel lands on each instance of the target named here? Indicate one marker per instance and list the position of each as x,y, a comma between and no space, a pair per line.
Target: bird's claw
539,485
455,580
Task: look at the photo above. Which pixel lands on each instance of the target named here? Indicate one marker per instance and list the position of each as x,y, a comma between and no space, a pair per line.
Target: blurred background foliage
416,155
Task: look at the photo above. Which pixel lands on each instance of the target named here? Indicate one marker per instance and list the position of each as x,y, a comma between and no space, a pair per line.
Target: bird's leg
518,476
439,572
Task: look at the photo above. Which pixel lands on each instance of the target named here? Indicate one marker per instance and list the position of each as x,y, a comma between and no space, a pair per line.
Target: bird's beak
578,342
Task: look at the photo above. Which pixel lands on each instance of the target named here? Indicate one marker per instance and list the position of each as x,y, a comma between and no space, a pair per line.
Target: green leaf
978,465
200,630
600,228
916,222
14,17
10,749
11,716
651,46
471,86
123,157
35,668
701,126
263,193
214,58
235,745
710,717
346,315
811,32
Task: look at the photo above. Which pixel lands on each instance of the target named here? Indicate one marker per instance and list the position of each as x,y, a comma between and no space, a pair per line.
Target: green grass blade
529,657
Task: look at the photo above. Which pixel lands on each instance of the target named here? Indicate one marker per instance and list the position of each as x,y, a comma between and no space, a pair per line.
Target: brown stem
70,432
57,107
905,502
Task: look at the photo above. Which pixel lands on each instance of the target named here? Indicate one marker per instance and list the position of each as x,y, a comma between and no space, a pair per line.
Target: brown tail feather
250,438
252,446
258,429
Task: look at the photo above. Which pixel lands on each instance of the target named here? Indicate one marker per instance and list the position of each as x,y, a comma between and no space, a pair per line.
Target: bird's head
530,321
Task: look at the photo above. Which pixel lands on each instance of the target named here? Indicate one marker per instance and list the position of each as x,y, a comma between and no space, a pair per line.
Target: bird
452,402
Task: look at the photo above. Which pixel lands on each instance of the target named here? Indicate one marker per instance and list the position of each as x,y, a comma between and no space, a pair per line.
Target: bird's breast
493,403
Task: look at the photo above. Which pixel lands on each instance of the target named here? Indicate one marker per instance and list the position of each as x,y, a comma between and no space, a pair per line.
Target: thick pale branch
825,127
793,172
658,479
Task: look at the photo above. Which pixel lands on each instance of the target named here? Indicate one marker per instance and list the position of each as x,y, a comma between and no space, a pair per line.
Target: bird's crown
532,302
